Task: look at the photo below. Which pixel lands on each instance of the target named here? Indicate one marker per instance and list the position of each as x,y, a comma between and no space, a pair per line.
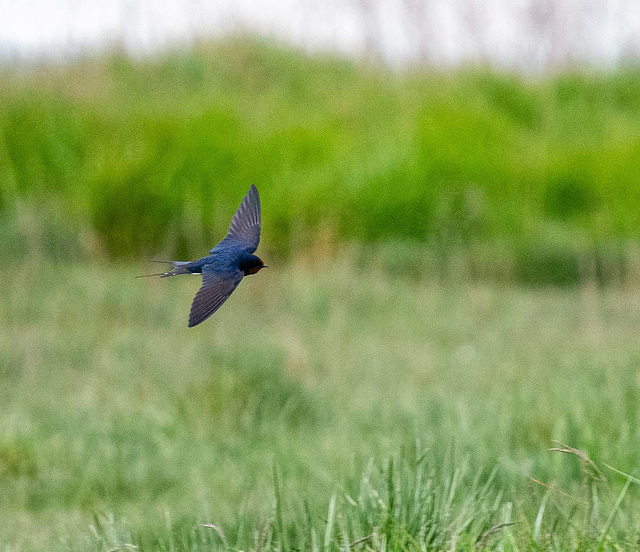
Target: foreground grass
316,409
116,158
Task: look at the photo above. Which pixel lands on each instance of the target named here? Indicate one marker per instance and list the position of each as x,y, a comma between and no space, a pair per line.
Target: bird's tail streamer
178,267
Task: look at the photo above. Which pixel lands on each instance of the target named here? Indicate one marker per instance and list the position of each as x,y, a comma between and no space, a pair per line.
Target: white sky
522,33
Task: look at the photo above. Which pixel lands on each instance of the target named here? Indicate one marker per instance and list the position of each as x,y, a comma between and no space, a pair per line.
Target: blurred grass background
113,417
535,180
454,265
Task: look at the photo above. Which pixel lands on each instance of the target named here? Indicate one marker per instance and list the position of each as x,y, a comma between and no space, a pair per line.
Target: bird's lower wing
215,290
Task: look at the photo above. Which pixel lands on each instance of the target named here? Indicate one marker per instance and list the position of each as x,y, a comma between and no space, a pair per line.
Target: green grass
394,381
406,411
527,180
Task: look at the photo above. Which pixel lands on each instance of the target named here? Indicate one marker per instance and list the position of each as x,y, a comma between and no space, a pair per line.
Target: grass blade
330,519
538,523
613,513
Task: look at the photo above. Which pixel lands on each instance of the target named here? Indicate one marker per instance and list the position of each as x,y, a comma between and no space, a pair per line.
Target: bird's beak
265,266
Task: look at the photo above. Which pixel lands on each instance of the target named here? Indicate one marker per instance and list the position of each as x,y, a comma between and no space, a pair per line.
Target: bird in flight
227,263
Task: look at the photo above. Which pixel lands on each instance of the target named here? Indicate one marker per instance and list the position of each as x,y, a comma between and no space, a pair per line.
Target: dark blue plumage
227,263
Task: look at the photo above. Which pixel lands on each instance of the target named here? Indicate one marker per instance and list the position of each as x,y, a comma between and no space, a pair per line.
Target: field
453,291
534,180
323,404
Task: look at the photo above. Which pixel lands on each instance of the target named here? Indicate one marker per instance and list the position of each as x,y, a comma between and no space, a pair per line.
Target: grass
528,180
323,408
398,377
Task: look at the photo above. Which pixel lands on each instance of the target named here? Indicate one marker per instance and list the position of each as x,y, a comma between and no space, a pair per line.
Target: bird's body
227,263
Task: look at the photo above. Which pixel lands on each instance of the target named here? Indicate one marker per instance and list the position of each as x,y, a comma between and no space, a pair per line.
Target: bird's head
251,264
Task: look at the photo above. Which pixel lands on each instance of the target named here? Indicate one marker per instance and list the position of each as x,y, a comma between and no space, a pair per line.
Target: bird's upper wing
215,290
245,224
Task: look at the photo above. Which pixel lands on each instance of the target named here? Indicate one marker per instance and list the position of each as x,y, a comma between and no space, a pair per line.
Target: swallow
227,263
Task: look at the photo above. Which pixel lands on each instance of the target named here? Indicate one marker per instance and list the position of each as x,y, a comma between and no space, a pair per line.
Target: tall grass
414,414
529,180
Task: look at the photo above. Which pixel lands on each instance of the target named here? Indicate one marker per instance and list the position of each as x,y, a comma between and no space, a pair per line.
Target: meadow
534,179
322,405
452,292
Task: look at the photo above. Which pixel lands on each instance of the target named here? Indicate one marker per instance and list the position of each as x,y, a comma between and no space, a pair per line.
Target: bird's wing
215,290
245,224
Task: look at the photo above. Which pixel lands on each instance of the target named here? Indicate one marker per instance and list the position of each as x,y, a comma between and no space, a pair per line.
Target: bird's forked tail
178,267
